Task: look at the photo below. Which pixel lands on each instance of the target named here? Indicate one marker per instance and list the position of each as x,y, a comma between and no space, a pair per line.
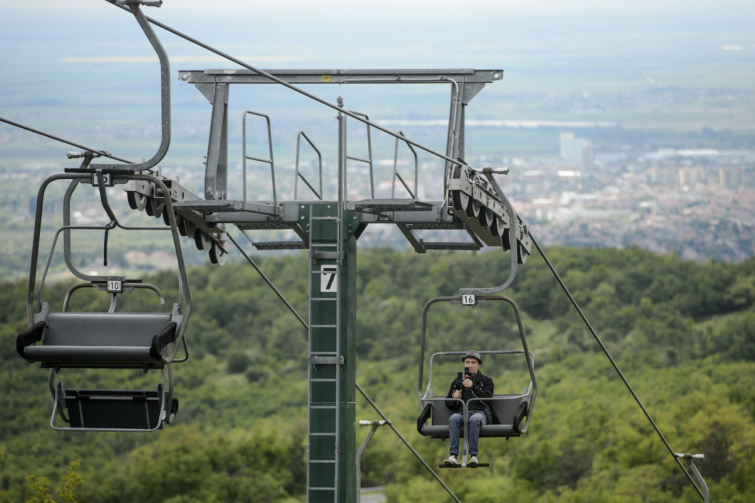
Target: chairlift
514,411
105,340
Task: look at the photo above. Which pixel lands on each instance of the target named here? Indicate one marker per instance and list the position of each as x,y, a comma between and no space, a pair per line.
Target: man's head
472,360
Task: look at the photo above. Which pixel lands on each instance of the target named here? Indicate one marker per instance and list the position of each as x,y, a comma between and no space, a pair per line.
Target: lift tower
329,229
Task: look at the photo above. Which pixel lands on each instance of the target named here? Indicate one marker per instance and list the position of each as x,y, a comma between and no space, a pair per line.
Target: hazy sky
423,7
545,46
421,33
343,10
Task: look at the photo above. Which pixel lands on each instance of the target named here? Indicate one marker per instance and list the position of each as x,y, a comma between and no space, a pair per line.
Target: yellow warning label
326,78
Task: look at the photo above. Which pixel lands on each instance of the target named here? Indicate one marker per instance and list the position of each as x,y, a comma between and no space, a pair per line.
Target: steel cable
615,365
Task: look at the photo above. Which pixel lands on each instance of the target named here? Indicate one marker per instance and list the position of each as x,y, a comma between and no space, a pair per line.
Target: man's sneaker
473,461
450,460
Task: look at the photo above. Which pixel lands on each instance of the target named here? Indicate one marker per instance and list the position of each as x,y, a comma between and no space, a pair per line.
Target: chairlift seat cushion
122,340
510,410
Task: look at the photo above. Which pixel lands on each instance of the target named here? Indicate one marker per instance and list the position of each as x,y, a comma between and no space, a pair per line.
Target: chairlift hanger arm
513,237
516,228
165,93
133,7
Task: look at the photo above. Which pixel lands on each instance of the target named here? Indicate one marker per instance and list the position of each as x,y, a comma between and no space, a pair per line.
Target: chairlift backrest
510,410
95,340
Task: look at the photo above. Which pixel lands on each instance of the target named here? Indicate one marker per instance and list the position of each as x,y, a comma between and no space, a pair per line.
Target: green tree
66,490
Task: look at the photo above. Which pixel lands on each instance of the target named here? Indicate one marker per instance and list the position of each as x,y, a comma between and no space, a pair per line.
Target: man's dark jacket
482,387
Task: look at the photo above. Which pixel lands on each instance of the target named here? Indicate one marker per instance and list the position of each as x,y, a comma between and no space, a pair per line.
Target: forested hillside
683,333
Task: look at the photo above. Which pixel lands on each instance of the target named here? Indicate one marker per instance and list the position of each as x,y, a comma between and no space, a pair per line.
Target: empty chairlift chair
514,411
105,340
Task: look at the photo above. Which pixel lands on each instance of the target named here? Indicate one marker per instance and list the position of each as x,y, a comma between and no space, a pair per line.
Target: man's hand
457,393
467,383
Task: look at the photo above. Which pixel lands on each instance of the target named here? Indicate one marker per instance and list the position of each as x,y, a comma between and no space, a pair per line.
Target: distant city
697,203
615,133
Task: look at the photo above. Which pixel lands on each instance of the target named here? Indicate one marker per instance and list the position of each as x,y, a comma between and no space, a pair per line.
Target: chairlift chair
514,411
105,340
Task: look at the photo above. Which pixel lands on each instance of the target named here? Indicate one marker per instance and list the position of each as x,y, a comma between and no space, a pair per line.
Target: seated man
472,385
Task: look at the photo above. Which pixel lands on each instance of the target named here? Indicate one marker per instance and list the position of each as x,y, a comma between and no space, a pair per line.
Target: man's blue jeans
475,419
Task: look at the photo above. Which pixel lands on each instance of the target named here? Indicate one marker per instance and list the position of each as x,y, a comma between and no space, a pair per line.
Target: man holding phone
469,385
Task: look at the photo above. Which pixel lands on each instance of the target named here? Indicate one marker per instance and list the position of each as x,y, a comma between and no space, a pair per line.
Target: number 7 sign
329,278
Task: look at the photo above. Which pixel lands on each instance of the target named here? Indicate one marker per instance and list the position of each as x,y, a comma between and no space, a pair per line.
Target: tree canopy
682,332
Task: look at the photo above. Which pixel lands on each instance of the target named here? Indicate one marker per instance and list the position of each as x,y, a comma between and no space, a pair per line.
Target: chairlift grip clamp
689,456
502,171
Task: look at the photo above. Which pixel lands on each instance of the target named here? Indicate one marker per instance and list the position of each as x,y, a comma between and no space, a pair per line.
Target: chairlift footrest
478,465
114,409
